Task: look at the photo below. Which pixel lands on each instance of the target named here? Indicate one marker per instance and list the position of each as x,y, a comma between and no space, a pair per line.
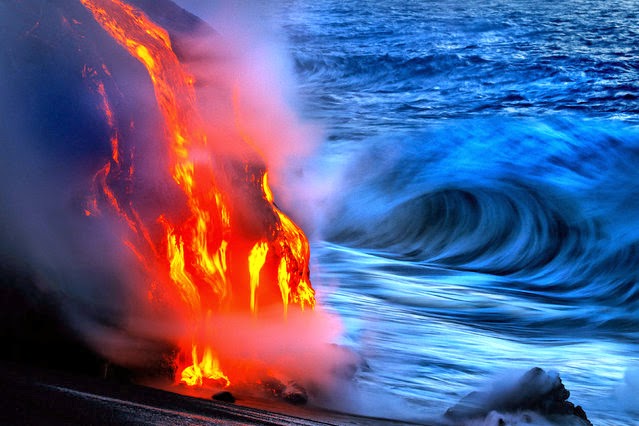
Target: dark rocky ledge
535,393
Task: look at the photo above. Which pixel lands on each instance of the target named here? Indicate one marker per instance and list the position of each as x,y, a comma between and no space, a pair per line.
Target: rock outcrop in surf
536,393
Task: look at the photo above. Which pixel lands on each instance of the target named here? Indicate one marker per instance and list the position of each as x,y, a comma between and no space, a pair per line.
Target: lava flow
228,249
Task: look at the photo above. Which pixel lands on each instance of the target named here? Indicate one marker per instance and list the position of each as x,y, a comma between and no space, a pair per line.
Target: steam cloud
55,137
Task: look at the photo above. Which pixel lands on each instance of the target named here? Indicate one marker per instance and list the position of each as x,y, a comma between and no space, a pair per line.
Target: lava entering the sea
225,249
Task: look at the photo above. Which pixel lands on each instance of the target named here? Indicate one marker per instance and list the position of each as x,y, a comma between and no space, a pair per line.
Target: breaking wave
547,207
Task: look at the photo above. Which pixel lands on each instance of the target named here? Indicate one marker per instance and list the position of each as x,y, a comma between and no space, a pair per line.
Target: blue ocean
479,175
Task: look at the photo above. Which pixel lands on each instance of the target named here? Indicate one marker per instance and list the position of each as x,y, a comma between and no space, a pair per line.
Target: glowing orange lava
212,261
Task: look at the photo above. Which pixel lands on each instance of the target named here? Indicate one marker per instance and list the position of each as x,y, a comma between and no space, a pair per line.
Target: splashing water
475,192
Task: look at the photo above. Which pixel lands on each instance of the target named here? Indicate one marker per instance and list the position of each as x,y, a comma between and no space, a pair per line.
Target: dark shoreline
49,376
37,396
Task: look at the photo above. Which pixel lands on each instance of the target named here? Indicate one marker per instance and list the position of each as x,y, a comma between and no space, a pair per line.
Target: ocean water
479,179
473,204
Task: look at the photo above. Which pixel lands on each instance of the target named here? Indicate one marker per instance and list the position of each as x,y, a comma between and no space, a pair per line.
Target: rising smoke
56,132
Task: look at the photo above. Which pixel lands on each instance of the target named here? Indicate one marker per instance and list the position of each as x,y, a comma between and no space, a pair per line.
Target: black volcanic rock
536,391
60,277
292,392
33,330
273,386
224,396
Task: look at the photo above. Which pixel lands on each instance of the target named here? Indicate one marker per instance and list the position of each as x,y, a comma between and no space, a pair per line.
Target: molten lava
229,249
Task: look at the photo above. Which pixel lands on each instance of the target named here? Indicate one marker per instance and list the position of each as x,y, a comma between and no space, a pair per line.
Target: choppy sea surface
480,192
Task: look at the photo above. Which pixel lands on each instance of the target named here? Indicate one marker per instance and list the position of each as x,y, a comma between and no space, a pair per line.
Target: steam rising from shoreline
55,148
